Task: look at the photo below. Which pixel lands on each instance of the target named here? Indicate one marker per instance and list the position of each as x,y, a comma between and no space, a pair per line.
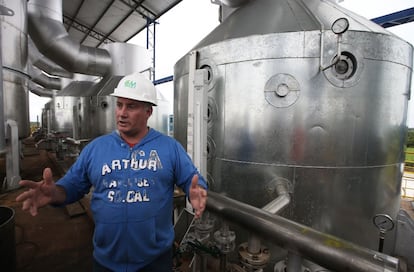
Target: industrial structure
276,111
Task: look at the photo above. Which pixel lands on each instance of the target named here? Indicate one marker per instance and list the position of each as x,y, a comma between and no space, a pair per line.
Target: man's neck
134,139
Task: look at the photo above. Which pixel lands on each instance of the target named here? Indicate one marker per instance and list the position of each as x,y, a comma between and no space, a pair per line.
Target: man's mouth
122,123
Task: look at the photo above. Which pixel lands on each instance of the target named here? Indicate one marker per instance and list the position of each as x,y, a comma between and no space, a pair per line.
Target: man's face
132,116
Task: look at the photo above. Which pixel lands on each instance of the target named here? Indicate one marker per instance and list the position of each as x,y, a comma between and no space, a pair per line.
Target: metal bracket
197,115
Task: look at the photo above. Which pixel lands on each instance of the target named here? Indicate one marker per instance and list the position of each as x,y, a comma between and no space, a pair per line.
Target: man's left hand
198,197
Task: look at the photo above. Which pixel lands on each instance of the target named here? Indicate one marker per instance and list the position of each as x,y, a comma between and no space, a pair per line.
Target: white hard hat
137,87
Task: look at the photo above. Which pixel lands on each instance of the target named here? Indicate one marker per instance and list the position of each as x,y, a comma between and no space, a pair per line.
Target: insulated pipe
36,89
40,78
234,3
45,64
324,249
52,40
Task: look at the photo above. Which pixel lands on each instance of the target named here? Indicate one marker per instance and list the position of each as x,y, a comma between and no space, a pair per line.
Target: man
133,172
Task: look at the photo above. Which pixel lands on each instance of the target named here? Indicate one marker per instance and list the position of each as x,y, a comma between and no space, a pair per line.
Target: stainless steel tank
283,106
71,114
14,60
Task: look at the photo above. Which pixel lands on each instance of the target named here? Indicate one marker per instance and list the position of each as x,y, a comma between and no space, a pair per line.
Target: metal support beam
396,18
151,44
163,80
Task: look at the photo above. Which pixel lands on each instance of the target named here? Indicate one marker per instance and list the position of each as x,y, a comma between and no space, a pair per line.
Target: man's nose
122,110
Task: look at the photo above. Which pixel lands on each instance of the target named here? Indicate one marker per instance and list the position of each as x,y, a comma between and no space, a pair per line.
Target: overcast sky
180,29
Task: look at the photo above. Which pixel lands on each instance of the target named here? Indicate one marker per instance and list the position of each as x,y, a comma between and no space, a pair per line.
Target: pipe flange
254,260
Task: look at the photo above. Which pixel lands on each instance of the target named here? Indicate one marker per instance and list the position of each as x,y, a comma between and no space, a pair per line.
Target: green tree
410,138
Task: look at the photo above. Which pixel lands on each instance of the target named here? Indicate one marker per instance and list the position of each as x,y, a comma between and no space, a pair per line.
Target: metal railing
407,185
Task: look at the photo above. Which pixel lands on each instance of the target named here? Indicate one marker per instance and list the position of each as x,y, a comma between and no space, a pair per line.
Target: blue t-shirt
132,198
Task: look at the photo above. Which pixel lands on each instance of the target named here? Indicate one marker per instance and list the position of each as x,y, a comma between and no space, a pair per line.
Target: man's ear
149,110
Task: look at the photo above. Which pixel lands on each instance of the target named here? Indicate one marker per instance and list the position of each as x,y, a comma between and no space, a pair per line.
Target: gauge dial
340,25
383,222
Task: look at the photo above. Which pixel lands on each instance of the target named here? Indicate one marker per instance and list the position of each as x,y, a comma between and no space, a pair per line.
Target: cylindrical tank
71,110
281,105
14,60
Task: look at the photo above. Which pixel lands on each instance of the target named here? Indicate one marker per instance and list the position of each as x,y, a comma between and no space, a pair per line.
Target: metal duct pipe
51,38
234,3
40,78
45,64
326,250
37,90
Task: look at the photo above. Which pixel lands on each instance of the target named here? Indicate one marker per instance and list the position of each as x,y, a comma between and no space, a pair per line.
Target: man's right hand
39,194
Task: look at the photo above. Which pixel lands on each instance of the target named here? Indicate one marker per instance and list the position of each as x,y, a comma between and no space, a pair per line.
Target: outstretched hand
39,194
198,197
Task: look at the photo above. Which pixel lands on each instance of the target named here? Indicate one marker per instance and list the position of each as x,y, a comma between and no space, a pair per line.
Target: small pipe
254,244
274,207
294,262
326,250
282,200
223,262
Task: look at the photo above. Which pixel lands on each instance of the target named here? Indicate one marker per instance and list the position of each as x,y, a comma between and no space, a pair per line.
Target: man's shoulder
102,140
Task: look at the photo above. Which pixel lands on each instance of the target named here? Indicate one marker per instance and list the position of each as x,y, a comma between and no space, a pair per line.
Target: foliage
410,139
409,154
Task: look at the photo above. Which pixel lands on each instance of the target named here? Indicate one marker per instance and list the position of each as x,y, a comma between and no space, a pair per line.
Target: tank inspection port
282,90
345,67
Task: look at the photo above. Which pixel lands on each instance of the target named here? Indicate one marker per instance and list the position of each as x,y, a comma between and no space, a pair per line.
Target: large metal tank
71,114
280,107
15,79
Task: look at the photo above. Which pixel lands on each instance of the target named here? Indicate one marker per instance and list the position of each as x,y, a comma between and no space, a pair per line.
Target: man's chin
122,128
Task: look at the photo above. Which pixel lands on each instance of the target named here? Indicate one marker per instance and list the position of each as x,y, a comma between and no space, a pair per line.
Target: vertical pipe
3,149
2,121
294,262
153,52
6,12
223,262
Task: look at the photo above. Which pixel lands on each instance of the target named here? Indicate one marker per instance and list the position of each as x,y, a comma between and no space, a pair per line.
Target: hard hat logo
136,87
130,84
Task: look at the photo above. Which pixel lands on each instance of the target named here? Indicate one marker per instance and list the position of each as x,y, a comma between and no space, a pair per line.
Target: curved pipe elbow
53,41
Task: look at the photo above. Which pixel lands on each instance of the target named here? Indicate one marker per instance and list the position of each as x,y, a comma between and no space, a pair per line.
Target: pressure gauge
383,222
340,25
